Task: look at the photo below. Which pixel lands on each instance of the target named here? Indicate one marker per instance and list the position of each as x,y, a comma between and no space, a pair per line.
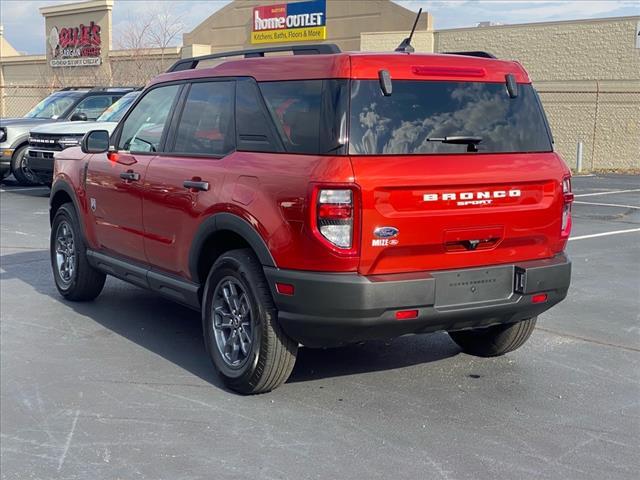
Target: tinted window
253,123
309,114
142,130
418,112
207,126
93,106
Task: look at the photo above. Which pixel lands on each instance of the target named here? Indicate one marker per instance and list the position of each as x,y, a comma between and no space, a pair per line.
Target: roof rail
315,49
114,89
478,53
68,89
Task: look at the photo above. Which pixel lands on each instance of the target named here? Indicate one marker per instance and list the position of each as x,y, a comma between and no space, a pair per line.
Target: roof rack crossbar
478,53
314,49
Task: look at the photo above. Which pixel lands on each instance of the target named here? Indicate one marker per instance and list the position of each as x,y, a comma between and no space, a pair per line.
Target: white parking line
604,234
608,193
608,205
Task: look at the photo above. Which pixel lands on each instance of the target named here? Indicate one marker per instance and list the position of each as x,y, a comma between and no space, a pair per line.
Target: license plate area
464,287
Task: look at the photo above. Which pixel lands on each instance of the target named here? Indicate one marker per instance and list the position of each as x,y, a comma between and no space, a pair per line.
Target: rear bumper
332,309
41,165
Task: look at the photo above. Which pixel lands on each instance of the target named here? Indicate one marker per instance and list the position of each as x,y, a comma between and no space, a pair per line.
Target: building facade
587,71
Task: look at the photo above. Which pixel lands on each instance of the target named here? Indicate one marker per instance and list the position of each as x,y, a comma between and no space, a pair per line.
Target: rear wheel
75,279
494,341
20,170
241,331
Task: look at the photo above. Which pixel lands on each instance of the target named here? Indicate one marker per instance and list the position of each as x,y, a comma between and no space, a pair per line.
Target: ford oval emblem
386,232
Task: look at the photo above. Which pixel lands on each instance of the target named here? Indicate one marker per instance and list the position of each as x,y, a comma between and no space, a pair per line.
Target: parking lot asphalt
121,388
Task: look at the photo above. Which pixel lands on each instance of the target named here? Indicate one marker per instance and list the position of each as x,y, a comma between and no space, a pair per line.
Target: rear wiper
470,142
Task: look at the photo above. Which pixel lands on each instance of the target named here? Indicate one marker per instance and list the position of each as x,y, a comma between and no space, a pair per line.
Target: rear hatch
455,170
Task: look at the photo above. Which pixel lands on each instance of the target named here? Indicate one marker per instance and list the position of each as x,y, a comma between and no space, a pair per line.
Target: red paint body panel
524,227
117,218
355,65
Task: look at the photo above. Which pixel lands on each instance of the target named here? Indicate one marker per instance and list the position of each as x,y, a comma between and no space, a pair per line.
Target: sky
20,16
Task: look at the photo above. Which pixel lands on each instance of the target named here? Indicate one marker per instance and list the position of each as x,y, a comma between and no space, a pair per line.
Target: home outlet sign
75,46
290,22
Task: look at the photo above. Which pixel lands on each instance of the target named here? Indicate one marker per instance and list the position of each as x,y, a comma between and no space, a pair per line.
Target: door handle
130,176
196,185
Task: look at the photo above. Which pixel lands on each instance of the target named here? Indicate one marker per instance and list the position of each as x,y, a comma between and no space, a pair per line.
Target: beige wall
422,41
587,73
26,79
576,50
230,27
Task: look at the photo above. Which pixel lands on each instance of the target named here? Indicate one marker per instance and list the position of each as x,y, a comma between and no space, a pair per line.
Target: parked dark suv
324,198
72,104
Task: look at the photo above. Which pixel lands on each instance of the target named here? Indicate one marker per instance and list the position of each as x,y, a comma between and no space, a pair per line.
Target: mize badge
92,202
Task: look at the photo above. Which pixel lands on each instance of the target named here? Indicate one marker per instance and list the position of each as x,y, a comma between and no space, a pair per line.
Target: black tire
494,341
23,175
270,354
76,280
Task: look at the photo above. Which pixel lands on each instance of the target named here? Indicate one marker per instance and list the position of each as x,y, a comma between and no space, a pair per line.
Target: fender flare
61,185
227,221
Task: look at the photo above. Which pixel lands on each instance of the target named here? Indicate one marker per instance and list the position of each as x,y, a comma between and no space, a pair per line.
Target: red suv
324,198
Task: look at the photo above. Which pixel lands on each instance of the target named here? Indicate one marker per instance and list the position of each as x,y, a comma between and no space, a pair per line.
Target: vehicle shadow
175,332
30,191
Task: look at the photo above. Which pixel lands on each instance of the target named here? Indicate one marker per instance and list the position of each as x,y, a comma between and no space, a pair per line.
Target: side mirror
79,116
95,141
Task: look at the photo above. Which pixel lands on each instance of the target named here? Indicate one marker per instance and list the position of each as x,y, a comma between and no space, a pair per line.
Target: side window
93,107
252,120
310,114
207,125
142,130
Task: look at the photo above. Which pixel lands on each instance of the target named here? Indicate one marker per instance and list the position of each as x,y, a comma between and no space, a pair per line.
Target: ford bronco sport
324,198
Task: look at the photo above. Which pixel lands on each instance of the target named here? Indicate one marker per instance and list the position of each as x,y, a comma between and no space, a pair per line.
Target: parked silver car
68,104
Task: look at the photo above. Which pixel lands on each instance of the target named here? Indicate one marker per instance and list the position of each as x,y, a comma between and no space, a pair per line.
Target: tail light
334,219
567,200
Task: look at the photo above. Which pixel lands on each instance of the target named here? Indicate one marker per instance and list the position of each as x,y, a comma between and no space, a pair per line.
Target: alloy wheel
65,252
232,322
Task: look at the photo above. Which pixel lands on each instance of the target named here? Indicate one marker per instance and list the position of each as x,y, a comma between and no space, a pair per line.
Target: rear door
115,181
429,204
182,182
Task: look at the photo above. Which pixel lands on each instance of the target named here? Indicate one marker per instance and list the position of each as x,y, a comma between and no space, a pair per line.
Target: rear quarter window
308,114
417,112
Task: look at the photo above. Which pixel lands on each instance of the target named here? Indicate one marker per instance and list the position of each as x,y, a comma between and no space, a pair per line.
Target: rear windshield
419,115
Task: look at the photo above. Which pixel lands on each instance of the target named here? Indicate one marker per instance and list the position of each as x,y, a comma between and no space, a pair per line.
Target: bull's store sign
75,46
290,22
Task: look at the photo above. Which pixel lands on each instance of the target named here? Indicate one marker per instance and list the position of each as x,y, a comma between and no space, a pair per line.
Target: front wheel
494,341
241,330
20,170
75,279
